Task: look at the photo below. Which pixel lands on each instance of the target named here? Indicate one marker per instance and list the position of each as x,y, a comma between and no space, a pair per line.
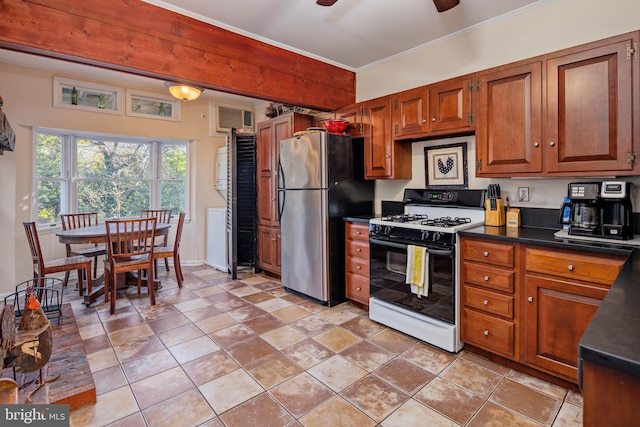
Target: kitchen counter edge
612,338
358,219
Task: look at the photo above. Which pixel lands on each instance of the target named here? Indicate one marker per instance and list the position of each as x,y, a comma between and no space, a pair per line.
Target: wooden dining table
97,234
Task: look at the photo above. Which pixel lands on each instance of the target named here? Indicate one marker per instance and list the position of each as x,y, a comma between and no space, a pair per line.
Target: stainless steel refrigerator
320,181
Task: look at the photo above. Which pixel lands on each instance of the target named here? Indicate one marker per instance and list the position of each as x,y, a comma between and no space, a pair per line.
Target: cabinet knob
486,333
388,156
433,119
551,143
570,267
358,267
485,302
486,253
486,278
358,233
530,299
536,144
358,250
424,120
358,289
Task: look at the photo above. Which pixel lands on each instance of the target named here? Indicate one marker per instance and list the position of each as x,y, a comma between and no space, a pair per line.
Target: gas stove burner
405,218
446,221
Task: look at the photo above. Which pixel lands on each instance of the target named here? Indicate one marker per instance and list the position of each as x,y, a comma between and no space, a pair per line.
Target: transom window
115,176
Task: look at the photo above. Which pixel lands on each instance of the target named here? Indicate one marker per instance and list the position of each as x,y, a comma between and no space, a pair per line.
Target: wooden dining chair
80,220
129,248
167,252
164,216
41,267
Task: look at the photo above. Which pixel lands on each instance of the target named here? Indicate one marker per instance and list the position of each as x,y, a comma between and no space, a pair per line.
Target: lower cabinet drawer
488,332
488,277
357,248
357,288
357,265
489,302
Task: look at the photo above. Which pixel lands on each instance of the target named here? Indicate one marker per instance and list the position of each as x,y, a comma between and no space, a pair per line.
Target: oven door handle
387,244
446,252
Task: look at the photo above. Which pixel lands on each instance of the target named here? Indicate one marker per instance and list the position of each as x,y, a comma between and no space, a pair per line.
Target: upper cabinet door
410,112
450,105
378,147
509,120
589,117
352,114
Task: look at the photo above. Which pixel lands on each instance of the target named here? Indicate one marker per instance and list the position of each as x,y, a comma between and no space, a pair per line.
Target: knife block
497,217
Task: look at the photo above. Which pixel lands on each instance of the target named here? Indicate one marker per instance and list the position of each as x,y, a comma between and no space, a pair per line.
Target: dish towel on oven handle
418,270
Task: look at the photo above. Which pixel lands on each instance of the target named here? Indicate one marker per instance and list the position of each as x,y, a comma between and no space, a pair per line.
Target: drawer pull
358,267
530,299
570,267
486,333
358,289
485,253
486,278
485,302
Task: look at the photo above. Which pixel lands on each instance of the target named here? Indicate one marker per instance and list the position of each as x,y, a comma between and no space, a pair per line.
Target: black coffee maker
586,208
617,210
601,209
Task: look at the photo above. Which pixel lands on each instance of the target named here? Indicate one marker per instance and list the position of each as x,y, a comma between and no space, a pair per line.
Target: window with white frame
113,175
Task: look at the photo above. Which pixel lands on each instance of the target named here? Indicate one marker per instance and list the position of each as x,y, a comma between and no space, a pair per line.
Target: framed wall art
446,166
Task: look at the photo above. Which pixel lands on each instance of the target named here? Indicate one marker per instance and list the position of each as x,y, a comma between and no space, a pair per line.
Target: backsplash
544,193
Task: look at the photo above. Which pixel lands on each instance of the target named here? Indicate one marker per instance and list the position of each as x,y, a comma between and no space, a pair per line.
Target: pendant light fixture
183,91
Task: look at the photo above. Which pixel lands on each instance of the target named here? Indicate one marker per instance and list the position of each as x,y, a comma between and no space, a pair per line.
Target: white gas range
431,220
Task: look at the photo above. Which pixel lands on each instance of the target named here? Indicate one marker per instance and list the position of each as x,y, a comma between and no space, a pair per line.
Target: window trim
70,174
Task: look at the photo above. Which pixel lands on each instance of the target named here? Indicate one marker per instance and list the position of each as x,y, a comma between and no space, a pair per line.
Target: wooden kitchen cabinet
269,134
269,248
562,292
489,296
509,120
353,114
568,113
531,304
589,116
383,158
357,262
437,109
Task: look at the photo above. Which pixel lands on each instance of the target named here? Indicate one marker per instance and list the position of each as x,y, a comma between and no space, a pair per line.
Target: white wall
545,27
27,95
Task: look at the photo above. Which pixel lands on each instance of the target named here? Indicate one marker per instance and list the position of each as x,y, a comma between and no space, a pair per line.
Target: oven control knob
436,236
425,235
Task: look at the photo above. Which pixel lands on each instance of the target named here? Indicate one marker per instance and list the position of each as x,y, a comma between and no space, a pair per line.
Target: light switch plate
523,194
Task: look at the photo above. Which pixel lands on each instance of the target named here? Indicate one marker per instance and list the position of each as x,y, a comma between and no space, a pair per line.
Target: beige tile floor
245,353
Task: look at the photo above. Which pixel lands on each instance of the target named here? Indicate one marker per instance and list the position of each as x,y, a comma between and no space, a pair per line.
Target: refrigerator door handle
281,196
280,186
280,176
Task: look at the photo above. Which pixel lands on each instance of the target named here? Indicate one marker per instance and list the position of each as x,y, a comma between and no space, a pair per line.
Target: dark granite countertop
360,219
612,339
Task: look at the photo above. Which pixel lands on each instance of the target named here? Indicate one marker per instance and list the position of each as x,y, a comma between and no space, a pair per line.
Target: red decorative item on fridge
337,127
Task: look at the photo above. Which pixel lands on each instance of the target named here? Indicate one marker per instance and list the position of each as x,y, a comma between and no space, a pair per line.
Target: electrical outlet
523,194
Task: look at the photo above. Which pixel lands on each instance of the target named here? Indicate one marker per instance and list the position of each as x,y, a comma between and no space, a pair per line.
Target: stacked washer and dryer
216,217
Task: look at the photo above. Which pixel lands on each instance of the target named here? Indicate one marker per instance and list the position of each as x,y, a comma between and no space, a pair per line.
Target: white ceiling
352,34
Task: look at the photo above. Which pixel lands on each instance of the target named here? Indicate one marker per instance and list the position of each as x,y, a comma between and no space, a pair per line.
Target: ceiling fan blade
444,5
326,2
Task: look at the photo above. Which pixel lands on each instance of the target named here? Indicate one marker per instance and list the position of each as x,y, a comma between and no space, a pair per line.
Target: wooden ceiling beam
139,38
